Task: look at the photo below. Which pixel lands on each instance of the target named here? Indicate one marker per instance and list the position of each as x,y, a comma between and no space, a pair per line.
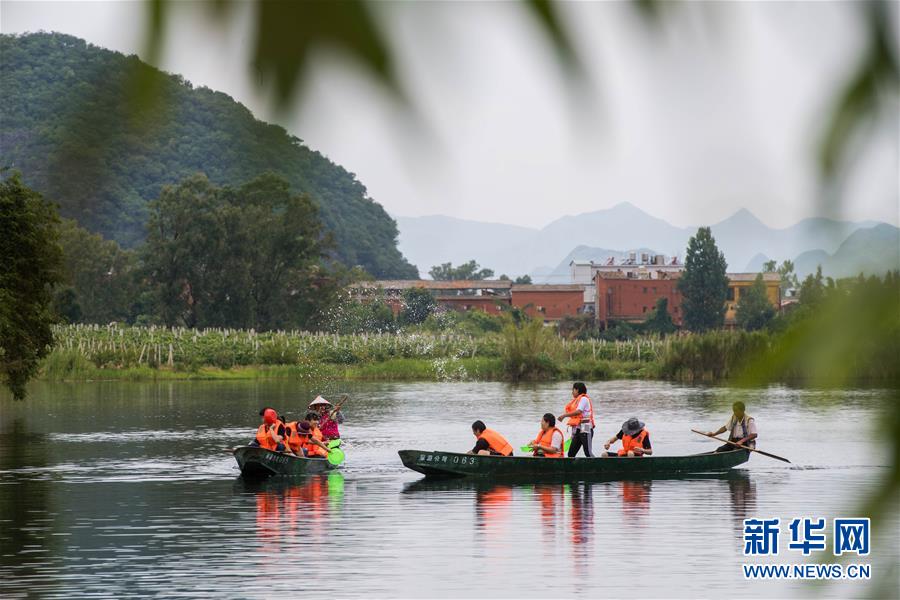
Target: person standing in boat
549,441
635,440
489,441
329,418
580,413
741,428
271,433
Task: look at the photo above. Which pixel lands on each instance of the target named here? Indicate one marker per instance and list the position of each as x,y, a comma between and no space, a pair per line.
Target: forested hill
72,126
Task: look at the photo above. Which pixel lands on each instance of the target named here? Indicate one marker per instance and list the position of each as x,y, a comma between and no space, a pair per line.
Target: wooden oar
338,406
776,457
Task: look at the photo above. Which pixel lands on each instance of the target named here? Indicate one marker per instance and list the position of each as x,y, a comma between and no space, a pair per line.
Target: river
121,489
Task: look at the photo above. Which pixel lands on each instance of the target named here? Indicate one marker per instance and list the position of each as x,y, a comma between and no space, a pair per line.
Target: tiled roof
752,276
571,287
405,284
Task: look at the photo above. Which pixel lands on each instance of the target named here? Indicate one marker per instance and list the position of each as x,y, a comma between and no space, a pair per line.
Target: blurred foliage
528,348
870,92
72,126
31,266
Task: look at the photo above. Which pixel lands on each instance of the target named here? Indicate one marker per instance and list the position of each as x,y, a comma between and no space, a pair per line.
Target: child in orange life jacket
315,447
635,440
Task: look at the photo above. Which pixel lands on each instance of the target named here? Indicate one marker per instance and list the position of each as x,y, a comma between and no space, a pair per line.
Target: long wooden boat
454,464
256,462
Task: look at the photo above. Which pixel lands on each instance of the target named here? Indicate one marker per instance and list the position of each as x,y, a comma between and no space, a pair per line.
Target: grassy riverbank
531,352
85,352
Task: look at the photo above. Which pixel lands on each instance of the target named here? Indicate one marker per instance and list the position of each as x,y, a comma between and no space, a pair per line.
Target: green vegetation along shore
91,352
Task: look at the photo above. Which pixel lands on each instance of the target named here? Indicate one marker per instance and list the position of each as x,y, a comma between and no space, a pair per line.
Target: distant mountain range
545,253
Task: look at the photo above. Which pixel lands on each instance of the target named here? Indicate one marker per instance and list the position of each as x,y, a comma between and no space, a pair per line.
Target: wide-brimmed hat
319,401
632,426
303,427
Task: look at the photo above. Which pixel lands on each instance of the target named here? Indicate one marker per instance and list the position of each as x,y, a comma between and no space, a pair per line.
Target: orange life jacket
293,438
496,442
631,442
265,437
313,449
573,406
545,438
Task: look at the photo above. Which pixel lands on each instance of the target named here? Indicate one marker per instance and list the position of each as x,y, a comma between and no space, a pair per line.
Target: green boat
454,464
256,462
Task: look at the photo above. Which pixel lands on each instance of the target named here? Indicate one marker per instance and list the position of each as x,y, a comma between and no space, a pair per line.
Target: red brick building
631,299
549,302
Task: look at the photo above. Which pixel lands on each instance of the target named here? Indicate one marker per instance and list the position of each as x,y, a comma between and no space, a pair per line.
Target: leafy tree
770,266
580,327
249,257
788,277
465,271
65,305
31,266
418,304
703,283
754,311
812,290
660,321
523,280
103,278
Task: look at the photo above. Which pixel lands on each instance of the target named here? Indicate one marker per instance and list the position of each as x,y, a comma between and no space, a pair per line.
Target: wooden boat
454,464
258,462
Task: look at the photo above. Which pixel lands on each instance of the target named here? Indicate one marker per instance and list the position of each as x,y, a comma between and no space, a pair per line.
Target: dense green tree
102,277
465,271
418,305
703,284
251,256
523,280
770,266
71,124
660,321
30,267
813,290
754,311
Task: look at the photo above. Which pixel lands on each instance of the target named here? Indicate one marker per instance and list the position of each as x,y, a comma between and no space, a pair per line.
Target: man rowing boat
741,429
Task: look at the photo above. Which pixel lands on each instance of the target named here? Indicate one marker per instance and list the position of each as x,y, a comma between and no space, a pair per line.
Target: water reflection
25,515
635,498
742,490
294,510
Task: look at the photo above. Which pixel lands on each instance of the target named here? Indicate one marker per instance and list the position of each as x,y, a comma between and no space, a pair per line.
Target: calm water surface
118,489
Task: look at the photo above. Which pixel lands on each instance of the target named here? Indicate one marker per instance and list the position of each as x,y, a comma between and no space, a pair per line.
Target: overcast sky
719,110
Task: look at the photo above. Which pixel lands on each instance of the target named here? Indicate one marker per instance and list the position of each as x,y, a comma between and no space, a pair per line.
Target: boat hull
256,463
452,464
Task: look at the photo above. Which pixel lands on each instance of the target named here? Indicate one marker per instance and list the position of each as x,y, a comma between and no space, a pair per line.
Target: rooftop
463,284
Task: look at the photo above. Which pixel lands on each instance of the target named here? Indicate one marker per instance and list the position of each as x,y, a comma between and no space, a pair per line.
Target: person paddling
741,428
329,418
549,440
271,433
635,440
580,413
489,441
